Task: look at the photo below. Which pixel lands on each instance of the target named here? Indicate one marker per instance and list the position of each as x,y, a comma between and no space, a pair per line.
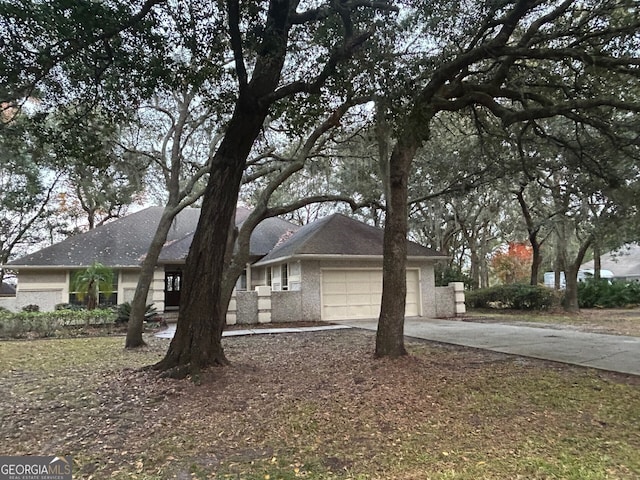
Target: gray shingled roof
624,262
120,243
124,242
263,239
339,235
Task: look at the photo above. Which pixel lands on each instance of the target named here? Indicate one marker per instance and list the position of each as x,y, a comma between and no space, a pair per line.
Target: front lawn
317,406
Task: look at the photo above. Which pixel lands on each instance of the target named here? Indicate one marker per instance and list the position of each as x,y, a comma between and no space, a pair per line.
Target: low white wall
9,303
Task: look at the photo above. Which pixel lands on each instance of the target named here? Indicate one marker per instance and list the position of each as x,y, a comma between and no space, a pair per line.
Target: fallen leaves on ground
316,405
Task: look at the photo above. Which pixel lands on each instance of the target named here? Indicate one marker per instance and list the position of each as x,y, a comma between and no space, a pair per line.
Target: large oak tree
263,59
520,61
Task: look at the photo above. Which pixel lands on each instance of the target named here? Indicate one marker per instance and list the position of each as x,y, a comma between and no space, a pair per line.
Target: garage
357,293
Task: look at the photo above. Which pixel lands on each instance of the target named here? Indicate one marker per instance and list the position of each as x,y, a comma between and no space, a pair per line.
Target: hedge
47,324
515,296
602,293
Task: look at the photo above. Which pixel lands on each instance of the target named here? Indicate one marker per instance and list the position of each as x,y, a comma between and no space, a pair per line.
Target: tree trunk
561,254
92,301
139,302
390,333
571,277
571,291
197,342
597,262
475,268
533,231
536,260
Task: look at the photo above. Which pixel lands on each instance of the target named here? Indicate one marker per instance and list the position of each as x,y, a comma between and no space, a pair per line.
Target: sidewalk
171,330
606,352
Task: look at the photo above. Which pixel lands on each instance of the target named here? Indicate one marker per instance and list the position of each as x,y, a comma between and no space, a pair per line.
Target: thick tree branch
281,210
622,64
339,54
233,7
319,13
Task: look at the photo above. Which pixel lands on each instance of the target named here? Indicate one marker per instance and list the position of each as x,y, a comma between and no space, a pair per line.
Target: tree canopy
525,96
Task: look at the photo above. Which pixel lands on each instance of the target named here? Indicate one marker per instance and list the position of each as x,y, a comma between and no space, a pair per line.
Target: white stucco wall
44,288
9,303
47,288
128,281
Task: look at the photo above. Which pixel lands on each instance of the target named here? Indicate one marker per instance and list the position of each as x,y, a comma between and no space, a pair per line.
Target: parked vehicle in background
549,277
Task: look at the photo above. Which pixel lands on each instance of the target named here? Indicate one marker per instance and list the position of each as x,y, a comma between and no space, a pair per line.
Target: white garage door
348,294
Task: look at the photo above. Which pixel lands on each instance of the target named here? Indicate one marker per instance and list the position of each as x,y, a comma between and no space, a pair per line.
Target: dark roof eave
65,267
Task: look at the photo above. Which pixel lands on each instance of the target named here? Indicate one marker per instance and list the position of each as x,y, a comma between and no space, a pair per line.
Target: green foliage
36,35
26,188
68,306
445,274
50,324
602,293
124,312
31,308
88,284
515,296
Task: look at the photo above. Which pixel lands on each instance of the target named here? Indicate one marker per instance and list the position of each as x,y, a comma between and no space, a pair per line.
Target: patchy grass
612,321
317,406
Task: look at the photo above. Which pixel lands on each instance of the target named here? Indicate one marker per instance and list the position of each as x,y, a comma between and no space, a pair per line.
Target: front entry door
172,284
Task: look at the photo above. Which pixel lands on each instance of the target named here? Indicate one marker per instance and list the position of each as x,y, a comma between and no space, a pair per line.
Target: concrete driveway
607,352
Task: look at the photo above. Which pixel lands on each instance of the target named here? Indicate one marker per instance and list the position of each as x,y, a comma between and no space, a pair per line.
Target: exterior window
241,284
285,276
269,279
103,298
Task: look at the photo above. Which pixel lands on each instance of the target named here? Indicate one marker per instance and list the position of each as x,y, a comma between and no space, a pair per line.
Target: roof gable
338,234
263,238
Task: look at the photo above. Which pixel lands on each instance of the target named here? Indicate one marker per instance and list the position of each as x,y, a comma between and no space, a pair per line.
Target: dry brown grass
612,321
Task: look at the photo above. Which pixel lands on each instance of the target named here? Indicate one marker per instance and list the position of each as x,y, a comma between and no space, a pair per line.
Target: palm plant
88,284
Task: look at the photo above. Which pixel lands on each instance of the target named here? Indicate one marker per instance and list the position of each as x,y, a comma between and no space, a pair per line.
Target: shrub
445,274
124,312
516,296
602,293
20,325
31,308
68,306
48,324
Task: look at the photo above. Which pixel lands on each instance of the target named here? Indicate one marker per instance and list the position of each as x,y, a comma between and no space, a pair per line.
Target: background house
330,269
623,263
